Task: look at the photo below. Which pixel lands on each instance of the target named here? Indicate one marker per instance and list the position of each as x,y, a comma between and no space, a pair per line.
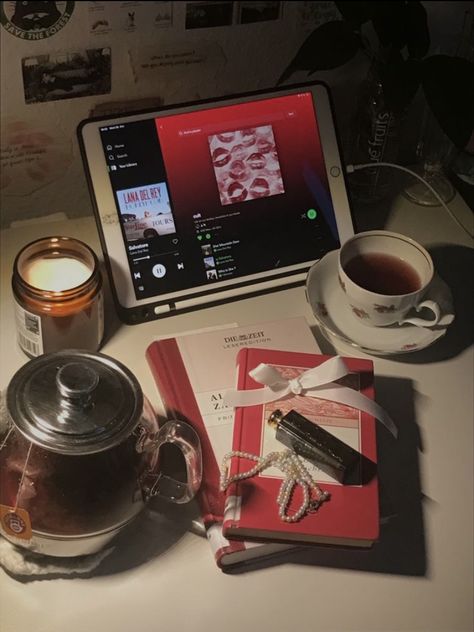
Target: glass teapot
79,454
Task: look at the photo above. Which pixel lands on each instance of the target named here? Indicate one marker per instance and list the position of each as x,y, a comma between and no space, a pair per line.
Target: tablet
213,200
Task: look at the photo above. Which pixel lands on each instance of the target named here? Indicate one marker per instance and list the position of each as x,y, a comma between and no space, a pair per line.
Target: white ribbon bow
316,382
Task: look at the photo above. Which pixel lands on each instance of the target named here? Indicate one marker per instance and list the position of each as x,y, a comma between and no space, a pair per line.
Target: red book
192,372
351,516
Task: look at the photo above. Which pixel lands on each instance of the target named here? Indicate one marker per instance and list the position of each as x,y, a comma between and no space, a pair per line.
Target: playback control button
159,270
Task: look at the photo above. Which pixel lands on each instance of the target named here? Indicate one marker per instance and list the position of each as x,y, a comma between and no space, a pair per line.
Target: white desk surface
420,574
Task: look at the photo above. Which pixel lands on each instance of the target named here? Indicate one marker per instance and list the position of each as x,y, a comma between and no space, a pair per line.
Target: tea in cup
385,276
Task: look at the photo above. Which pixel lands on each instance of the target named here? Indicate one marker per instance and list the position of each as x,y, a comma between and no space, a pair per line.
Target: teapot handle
187,440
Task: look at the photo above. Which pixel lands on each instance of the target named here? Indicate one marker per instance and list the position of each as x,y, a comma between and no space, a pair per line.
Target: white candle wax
56,274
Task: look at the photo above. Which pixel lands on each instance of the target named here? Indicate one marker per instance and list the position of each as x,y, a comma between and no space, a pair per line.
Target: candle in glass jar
56,274
57,288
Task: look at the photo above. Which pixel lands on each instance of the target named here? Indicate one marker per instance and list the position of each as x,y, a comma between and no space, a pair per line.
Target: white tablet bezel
132,309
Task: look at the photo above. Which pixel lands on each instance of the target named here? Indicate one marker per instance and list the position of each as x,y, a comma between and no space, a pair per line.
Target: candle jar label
29,331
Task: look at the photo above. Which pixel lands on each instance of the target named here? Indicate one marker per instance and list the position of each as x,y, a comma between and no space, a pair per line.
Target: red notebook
351,516
192,372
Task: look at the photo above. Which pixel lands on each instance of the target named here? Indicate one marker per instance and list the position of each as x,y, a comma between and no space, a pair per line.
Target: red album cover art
246,164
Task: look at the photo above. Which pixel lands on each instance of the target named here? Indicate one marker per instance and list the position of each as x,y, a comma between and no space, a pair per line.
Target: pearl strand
295,472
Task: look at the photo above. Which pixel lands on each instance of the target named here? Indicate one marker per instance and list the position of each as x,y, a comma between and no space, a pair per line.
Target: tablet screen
211,196
204,202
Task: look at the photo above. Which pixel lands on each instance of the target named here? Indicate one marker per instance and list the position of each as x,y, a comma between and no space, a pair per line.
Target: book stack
192,373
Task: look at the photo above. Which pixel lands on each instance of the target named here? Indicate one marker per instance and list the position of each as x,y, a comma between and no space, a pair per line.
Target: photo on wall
259,11
202,15
66,75
246,164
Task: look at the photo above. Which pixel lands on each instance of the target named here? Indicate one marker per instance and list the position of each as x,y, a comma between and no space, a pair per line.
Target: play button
159,270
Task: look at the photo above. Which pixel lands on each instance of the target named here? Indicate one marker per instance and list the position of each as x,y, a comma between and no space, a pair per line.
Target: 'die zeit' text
241,340
244,337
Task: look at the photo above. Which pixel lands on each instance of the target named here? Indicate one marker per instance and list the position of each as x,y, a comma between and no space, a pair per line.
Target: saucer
337,322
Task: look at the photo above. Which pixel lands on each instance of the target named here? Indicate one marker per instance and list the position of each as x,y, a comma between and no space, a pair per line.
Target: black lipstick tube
307,439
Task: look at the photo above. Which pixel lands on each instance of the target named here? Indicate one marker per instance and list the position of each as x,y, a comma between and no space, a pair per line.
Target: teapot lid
74,401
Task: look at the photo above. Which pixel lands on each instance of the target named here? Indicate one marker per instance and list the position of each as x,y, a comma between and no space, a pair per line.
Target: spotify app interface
220,194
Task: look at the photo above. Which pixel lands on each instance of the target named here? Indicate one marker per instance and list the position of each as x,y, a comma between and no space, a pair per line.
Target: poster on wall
202,15
35,20
128,17
66,75
249,12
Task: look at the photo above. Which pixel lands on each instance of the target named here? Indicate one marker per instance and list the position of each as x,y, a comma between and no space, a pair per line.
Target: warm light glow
56,274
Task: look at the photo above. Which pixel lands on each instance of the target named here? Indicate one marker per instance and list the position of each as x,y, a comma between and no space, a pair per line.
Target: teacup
385,276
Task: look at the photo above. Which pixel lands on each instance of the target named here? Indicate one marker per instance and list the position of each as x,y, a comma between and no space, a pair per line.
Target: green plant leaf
327,47
400,81
417,33
356,13
448,84
389,20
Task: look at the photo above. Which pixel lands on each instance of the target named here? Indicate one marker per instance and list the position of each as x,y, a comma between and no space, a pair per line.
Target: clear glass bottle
376,138
58,296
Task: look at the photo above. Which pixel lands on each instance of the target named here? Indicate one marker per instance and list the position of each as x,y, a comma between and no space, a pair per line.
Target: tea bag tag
15,522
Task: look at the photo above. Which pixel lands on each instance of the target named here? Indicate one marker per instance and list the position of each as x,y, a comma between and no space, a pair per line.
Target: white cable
352,168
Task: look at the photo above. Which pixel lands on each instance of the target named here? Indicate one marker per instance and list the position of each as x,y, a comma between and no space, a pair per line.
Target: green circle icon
208,235
311,213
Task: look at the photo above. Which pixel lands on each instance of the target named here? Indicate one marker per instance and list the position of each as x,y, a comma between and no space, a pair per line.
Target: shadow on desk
111,320
455,265
155,531
401,546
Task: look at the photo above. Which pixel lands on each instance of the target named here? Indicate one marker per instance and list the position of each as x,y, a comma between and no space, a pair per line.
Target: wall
41,167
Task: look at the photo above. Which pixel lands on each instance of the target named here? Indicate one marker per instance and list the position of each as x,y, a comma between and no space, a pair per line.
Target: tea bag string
22,479
7,436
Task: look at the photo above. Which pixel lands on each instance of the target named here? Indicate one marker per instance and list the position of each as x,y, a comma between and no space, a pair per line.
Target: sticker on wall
313,14
186,68
31,156
259,11
128,16
66,75
100,20
203,15
163,14
35,20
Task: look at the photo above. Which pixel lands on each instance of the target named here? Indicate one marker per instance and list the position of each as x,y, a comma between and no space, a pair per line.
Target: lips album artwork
246,164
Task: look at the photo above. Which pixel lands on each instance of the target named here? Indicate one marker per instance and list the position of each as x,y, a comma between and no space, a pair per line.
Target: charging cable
352,168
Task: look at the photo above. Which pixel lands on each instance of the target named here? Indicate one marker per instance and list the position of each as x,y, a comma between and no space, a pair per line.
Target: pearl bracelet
295,474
